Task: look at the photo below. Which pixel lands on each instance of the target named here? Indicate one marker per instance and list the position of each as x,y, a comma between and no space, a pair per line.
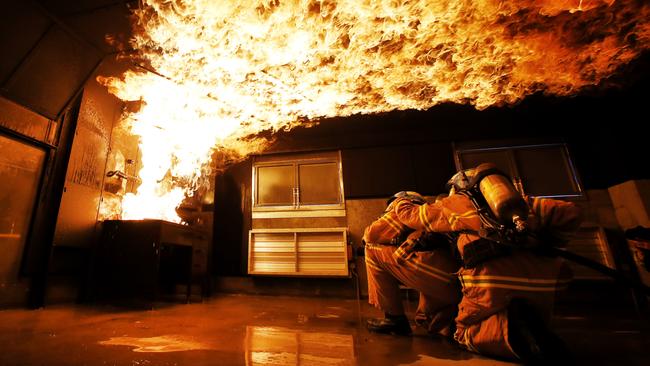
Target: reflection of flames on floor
167,343
263,346
280,346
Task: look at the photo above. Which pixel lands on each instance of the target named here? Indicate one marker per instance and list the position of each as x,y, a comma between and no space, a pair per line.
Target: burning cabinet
299,218
148,259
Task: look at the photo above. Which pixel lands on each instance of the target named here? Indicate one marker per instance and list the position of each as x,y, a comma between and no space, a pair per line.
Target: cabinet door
319,184
298,252
275,185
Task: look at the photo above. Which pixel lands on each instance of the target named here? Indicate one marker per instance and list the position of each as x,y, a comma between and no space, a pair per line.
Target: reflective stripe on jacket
385,230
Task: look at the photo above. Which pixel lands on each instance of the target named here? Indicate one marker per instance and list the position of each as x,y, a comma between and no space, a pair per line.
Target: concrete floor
266,330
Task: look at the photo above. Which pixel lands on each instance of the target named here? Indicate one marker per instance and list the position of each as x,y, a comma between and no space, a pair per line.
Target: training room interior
244,245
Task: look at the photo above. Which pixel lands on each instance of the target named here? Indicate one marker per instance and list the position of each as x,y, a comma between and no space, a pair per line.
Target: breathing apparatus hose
616,275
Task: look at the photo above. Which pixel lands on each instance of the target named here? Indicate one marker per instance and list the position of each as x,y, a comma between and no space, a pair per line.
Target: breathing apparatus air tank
507,205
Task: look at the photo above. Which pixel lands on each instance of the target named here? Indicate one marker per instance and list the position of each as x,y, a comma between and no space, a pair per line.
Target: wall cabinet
298,216
298,185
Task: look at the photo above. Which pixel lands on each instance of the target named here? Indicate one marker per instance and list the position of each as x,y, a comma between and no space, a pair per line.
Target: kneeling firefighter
508,287
398,255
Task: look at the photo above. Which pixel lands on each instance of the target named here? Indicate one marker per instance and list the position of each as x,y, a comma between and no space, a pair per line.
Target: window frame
513,164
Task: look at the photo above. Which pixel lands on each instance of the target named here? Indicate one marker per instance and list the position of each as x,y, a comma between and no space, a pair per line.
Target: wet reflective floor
269,330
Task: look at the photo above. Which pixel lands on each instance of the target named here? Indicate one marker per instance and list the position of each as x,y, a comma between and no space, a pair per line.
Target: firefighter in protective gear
397,255
506,300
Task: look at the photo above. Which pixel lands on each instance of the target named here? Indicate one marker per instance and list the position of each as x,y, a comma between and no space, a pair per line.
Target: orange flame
233,68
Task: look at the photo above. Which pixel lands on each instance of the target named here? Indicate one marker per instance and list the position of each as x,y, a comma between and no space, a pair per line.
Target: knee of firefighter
487,337
469,312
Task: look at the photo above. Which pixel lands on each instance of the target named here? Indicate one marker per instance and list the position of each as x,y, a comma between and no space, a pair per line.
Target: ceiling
50,48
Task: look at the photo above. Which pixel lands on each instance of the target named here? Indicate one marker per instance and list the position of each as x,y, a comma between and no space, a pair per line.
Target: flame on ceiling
231,69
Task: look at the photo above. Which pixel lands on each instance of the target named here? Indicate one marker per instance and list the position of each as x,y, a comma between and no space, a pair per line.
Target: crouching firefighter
508,287
396,255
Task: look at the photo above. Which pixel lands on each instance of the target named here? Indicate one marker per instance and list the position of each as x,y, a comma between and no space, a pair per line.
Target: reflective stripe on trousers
427,272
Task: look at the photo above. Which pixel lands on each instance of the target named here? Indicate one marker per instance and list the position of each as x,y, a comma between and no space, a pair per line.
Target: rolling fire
228,69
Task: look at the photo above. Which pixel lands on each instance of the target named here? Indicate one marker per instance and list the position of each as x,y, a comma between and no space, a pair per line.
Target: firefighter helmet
460,181
414,197
468,178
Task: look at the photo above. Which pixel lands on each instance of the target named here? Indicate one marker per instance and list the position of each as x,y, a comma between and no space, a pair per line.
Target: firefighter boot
390,324
530,338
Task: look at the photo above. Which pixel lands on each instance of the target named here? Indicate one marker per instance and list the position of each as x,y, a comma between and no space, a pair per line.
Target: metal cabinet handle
296,197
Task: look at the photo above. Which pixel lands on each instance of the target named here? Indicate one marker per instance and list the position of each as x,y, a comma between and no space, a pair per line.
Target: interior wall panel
52,73
106,27
377,171
382,171
67,7
21,27
232,219
86,170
